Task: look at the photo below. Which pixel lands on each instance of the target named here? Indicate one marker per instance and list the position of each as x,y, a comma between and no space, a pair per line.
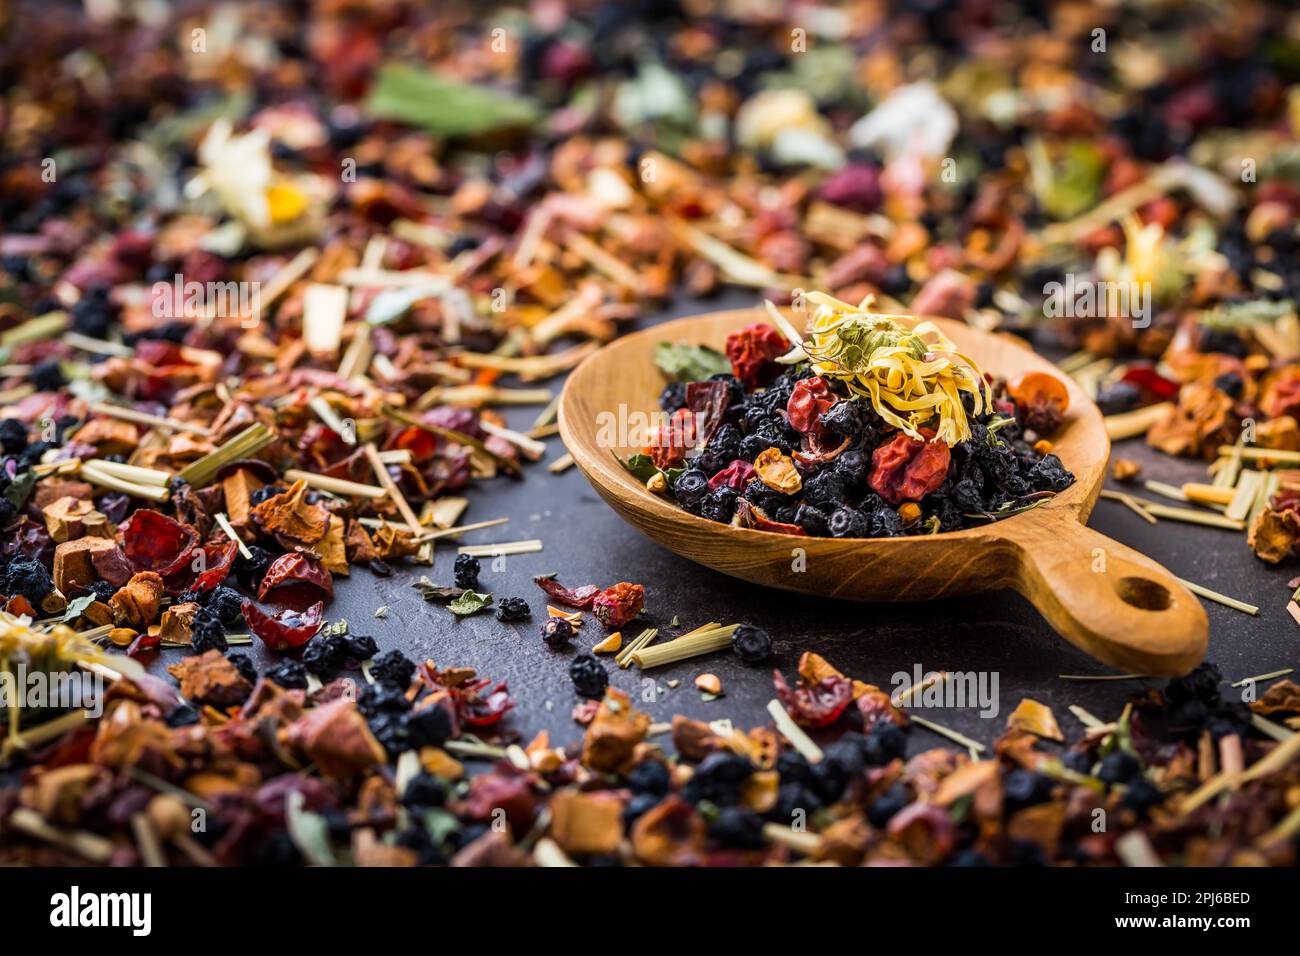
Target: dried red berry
478,709
737,475
905,469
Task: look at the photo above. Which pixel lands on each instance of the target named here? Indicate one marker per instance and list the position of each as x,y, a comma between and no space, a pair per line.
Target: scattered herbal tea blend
875,426
276,280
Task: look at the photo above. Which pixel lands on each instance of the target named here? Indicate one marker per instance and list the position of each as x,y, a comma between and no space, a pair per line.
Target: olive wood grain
1100,595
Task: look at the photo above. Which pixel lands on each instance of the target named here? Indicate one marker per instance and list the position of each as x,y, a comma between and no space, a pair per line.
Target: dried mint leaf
20,489
683,362
470,602
446,107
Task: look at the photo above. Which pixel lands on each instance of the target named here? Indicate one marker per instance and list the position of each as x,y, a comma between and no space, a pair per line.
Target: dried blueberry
738,827
466,571
882,809
206,632
751,644
289,674
513,609
848,523
394,667
690,489
649,776
428,727
244,665
589,676
719,504
1118,766
360,647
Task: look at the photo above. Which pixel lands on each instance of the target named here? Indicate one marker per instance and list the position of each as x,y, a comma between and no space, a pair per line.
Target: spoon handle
1111,601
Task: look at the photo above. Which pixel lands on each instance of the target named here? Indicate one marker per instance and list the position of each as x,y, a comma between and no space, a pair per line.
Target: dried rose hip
296,568
287,629
617,605
810,399
905,469
815,705
751,352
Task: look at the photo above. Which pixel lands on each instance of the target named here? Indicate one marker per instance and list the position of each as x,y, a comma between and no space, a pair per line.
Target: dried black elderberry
513,609
589,676
751,644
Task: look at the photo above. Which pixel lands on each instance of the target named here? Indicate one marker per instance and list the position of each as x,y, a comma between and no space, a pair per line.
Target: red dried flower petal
581,598
816,705
287,629
296,568
154,542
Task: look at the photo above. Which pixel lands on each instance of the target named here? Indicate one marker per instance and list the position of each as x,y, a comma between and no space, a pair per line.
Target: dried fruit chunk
70,518
209,678
136,602
1041,399
614,733
336,738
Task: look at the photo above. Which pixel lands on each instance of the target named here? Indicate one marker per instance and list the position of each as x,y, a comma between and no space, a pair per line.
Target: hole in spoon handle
1109,600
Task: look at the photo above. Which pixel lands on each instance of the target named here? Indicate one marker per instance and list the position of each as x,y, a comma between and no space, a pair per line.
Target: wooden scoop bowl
1116,604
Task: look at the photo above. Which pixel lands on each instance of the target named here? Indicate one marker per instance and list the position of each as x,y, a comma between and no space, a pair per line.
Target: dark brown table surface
584,542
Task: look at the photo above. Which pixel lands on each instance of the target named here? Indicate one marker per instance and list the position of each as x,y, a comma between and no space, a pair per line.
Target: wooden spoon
1116,604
